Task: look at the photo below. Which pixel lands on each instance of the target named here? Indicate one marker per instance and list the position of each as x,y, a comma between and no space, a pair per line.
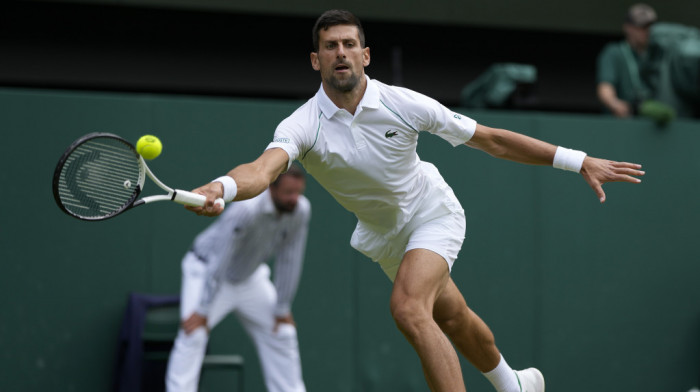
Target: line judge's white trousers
253,302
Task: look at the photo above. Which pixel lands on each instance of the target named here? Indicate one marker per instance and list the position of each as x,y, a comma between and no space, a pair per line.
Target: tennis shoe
530,380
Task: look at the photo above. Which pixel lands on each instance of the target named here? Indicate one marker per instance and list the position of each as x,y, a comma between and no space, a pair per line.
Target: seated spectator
623,77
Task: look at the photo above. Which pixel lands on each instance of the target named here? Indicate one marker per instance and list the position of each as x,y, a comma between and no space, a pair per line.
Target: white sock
503,377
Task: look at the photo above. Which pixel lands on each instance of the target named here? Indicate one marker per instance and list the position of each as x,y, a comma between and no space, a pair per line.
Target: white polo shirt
368,162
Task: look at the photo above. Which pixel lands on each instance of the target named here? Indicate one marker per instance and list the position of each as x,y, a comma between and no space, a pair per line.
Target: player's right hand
213,191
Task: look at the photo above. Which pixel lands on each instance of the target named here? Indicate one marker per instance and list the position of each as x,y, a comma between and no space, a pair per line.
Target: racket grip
193,199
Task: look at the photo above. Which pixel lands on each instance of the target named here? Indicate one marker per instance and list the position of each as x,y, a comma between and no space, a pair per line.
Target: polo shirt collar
369,101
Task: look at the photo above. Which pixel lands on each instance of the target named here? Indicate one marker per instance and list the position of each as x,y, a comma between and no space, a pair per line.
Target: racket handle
193,199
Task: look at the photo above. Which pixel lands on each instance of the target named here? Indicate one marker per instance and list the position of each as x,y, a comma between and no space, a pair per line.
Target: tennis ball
149,146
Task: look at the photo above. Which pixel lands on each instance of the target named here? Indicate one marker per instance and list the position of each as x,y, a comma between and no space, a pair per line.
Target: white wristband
567,159
230,187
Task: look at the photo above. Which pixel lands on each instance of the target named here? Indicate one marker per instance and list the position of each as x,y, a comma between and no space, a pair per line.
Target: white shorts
443,235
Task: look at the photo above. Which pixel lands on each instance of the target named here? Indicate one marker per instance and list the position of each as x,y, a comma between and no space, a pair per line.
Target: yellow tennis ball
149,147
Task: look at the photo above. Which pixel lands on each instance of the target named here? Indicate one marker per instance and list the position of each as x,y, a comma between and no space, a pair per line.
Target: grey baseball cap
641,15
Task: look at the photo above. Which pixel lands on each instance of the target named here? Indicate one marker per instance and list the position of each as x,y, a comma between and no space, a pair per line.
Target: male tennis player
225,271
357,137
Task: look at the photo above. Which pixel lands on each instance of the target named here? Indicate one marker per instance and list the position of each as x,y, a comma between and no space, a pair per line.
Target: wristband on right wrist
230,187
567,159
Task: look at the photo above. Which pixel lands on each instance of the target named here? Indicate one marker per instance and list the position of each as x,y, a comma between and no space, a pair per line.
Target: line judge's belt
197,255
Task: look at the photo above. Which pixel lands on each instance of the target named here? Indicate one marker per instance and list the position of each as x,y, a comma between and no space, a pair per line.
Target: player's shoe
530,380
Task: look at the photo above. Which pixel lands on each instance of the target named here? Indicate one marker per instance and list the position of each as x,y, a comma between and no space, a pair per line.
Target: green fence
599,297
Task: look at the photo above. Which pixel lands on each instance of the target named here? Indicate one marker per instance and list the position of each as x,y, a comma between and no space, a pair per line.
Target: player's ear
365,56
314,61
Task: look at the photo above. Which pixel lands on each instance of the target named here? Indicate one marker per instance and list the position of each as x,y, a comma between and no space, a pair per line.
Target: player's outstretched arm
517,147
251,179
512,146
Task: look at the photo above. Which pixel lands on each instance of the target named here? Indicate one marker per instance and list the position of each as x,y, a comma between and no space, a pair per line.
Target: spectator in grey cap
623,78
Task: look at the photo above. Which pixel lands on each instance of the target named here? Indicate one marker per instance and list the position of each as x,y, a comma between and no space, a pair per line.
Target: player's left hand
598,171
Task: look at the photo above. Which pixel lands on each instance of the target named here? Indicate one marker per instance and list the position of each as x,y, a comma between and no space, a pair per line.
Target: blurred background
599,297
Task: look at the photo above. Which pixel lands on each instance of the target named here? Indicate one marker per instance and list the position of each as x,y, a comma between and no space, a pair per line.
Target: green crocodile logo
391,133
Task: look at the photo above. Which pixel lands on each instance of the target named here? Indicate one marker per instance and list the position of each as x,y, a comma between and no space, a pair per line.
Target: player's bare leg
421,278
475,341
467,331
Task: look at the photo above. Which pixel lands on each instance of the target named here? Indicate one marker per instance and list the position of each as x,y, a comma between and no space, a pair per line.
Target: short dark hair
335,18
294,171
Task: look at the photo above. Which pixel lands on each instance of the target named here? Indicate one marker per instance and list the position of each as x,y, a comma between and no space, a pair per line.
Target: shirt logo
281,140
390,133
458,117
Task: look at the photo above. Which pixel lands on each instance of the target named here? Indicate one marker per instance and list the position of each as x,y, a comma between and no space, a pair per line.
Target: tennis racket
101,175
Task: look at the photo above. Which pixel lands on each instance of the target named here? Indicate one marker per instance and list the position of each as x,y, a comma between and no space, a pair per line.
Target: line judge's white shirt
247,234
368,162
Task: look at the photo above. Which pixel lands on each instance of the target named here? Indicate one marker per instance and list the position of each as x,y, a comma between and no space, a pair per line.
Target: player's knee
410,317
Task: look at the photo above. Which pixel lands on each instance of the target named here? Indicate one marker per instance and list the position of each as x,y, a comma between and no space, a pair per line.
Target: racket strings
99,178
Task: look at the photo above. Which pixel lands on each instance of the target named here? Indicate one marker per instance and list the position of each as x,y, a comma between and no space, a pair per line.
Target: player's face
340,57
285,194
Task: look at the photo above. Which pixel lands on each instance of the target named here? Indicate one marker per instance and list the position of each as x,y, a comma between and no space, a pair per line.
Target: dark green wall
600,297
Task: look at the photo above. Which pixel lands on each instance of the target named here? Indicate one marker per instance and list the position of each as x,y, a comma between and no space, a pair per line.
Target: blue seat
148,331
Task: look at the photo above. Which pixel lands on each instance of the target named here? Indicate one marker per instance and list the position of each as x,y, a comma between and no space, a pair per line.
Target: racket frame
176,195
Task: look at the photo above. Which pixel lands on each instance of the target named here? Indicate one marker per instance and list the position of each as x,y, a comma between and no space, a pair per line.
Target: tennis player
225,271
357,137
